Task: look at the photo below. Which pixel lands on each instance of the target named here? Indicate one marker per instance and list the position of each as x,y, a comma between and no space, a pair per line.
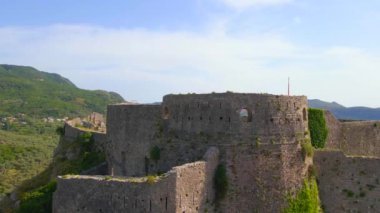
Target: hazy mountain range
347,113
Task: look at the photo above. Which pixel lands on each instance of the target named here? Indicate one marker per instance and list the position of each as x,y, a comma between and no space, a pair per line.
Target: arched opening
304,114
245,115
166,113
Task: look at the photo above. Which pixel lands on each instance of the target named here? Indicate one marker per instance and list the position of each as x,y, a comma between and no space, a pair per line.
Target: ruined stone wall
72,133
131,131
348,184
184,126
186,188
260,177
358,138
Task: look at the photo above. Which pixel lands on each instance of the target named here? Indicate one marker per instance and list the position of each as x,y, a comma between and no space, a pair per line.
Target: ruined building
256,137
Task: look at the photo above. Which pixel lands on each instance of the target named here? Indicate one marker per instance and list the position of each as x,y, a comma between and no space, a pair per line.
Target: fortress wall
220,113
358,138
195,184
361,138
260,177
334,134
131,131
183,189
92,194
72,133
348,184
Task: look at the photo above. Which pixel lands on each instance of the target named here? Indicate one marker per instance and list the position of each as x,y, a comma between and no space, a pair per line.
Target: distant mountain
347,113
30,91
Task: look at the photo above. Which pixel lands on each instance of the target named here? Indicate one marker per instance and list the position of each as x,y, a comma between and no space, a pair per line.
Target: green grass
318,128
306,200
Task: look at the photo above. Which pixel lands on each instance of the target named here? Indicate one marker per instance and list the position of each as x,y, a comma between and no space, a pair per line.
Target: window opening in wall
220,105
304,114
245,115
229,119
150,205
189,118
166,113
220,118
200,118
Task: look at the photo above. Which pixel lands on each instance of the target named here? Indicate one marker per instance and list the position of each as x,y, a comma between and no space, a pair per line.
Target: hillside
29,91
347,113
32,105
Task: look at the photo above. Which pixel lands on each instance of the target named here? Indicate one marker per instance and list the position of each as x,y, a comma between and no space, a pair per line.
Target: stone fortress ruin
164,158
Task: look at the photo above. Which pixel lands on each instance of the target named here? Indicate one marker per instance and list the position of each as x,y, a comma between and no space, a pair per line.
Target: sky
144,49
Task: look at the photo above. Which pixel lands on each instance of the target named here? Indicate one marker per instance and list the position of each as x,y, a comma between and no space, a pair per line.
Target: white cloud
244,4
144,65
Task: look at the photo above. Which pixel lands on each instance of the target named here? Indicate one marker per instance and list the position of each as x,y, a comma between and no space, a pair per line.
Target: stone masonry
256,136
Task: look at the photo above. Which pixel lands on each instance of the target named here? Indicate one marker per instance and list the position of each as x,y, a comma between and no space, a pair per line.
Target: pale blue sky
145,49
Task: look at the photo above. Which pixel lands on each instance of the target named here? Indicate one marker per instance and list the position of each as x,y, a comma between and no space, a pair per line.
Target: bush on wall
221,182
306,200
318,128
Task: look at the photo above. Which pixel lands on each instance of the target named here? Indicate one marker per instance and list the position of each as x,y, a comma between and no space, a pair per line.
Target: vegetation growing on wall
155,153
38,200
318,128
307,148
220,182
306,200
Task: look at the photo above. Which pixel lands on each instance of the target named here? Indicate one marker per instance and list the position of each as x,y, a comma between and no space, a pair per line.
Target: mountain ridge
30,91
347,113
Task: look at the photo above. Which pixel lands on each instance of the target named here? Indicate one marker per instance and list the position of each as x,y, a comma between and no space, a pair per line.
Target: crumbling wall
72,133
183,189
347,184
184,126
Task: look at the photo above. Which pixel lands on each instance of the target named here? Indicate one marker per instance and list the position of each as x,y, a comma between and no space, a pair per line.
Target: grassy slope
29,91
23,156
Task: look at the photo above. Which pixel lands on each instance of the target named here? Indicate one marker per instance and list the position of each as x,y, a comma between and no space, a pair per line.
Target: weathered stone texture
358,138
186,188
348,184
257,135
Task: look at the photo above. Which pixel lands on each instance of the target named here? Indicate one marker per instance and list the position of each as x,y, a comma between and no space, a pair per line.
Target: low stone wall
348,184
187,188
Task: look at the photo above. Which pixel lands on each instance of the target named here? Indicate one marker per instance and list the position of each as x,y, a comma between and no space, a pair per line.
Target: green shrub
317,127
155,153
38,200
306,200
60,131
307,148
221,182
